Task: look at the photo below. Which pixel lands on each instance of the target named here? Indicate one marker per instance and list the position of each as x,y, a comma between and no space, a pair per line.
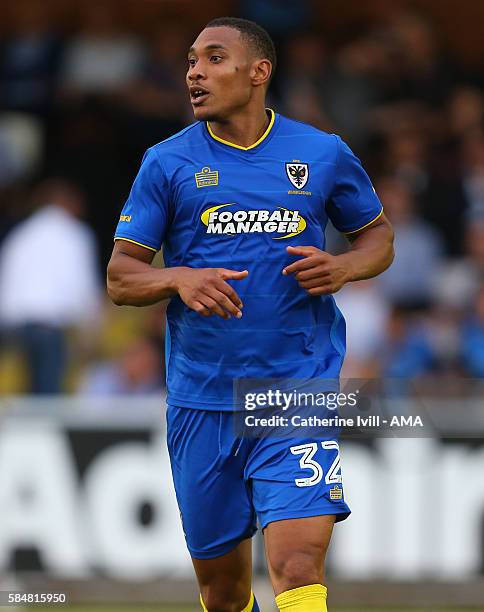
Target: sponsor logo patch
335,493
206,178
281,222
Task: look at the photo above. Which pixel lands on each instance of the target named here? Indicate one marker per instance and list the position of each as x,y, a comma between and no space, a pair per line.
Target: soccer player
240,200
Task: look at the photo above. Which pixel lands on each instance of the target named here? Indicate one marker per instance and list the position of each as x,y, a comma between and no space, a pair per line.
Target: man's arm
133,281
320,273
371,251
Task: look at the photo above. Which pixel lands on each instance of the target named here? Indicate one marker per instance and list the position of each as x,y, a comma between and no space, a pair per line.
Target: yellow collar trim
252,146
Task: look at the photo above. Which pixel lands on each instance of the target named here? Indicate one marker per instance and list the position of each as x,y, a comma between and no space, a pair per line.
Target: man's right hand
206,291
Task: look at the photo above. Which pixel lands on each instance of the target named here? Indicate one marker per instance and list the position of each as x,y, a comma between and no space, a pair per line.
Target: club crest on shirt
297,173
206,178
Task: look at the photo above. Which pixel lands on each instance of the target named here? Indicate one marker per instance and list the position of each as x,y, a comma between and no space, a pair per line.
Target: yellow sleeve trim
236,146
366,224
138,243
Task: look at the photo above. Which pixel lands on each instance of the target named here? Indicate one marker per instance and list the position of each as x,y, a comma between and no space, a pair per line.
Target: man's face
219,74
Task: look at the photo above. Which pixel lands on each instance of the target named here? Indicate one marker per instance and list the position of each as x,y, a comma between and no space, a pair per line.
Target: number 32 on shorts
306,462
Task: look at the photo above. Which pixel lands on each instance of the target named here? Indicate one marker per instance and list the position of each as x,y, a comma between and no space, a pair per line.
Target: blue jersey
211,203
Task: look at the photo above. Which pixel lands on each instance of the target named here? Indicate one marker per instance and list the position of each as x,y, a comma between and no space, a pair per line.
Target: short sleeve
353,203
145,215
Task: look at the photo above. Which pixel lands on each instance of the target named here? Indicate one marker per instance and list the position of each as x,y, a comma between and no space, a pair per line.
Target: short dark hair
258,39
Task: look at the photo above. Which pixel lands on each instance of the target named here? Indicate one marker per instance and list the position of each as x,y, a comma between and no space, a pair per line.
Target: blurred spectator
156,102
138,370
29,59
21,144
473,173
366,314
406,351
441,326
48,282
279,17
460,279
100,58
411,279
425,71
473,338
302,72
160,89
350,91
454,198
406,154
465,111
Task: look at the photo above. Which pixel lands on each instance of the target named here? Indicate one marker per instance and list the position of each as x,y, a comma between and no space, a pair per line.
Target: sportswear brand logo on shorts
281,221
206,178
125,218
297,173
335,493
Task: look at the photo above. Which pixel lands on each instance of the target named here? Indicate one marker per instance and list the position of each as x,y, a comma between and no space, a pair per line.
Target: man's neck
244,129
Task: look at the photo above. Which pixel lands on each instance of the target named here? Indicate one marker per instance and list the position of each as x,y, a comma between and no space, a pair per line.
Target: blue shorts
224,484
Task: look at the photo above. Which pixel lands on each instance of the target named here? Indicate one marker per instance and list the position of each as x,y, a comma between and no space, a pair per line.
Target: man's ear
260,72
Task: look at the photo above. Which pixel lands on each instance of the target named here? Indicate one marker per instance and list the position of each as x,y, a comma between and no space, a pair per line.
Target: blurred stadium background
86,501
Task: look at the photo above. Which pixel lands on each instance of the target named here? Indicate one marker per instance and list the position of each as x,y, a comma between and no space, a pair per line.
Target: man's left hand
318,272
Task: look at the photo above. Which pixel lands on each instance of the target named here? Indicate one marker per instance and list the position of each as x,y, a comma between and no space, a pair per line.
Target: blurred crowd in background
83,93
